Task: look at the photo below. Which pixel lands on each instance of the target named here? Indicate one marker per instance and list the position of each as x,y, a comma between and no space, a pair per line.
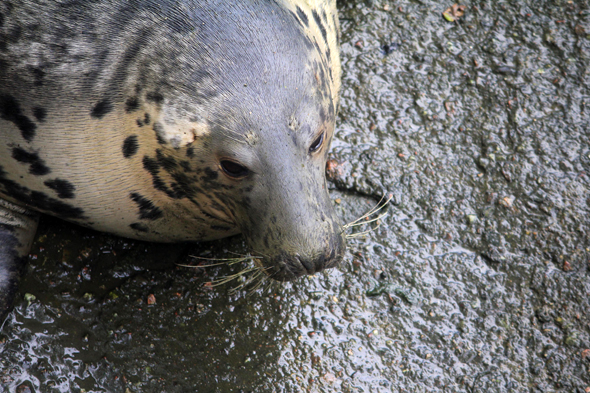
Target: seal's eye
233,169
315,145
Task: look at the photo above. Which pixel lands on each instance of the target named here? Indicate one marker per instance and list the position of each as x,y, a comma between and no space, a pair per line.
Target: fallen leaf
454,12
333,169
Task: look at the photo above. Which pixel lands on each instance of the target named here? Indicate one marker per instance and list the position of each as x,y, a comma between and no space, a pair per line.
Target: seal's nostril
307,265
312,265
320,263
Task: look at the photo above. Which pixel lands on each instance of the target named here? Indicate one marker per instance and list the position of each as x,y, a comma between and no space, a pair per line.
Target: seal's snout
288,267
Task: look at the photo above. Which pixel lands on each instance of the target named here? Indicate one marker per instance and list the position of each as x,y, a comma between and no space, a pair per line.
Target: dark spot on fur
186,166
157,127
155,97
246,201
249,188
320,24
147,210
151,165
139,227
139,123
335,23
294,138
39,113
64,189
146,119
130,146
38,74
54,206
211,174
38,200
177,191
322,115
190,152
168,163
37,165
308,43
161,186
15,33
101,108
184,185
132,104
11,111
302,16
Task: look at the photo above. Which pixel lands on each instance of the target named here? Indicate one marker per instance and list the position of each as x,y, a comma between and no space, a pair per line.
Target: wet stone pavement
477,280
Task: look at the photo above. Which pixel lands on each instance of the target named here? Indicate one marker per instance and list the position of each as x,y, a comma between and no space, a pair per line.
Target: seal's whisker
266,281
249,281
368,221
241,255
262,278
258,274
231,277
223,261
256,286
246,256
269,283
373,210
363,233
261,253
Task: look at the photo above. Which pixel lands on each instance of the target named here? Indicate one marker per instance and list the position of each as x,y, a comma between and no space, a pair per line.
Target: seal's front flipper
17,230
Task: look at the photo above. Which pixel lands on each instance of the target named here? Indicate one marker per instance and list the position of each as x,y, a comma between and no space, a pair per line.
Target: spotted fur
175,121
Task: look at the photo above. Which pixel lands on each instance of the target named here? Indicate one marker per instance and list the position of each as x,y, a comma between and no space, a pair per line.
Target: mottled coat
171,121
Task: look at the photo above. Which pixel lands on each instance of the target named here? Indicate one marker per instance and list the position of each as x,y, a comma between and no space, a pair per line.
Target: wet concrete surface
477,280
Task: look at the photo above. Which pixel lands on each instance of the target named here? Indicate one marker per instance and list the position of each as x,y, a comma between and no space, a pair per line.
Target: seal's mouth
288,267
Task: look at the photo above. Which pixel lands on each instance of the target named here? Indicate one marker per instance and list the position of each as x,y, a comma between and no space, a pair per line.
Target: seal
171,121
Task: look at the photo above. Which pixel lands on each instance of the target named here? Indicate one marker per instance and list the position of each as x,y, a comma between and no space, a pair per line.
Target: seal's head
242,117
256,123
